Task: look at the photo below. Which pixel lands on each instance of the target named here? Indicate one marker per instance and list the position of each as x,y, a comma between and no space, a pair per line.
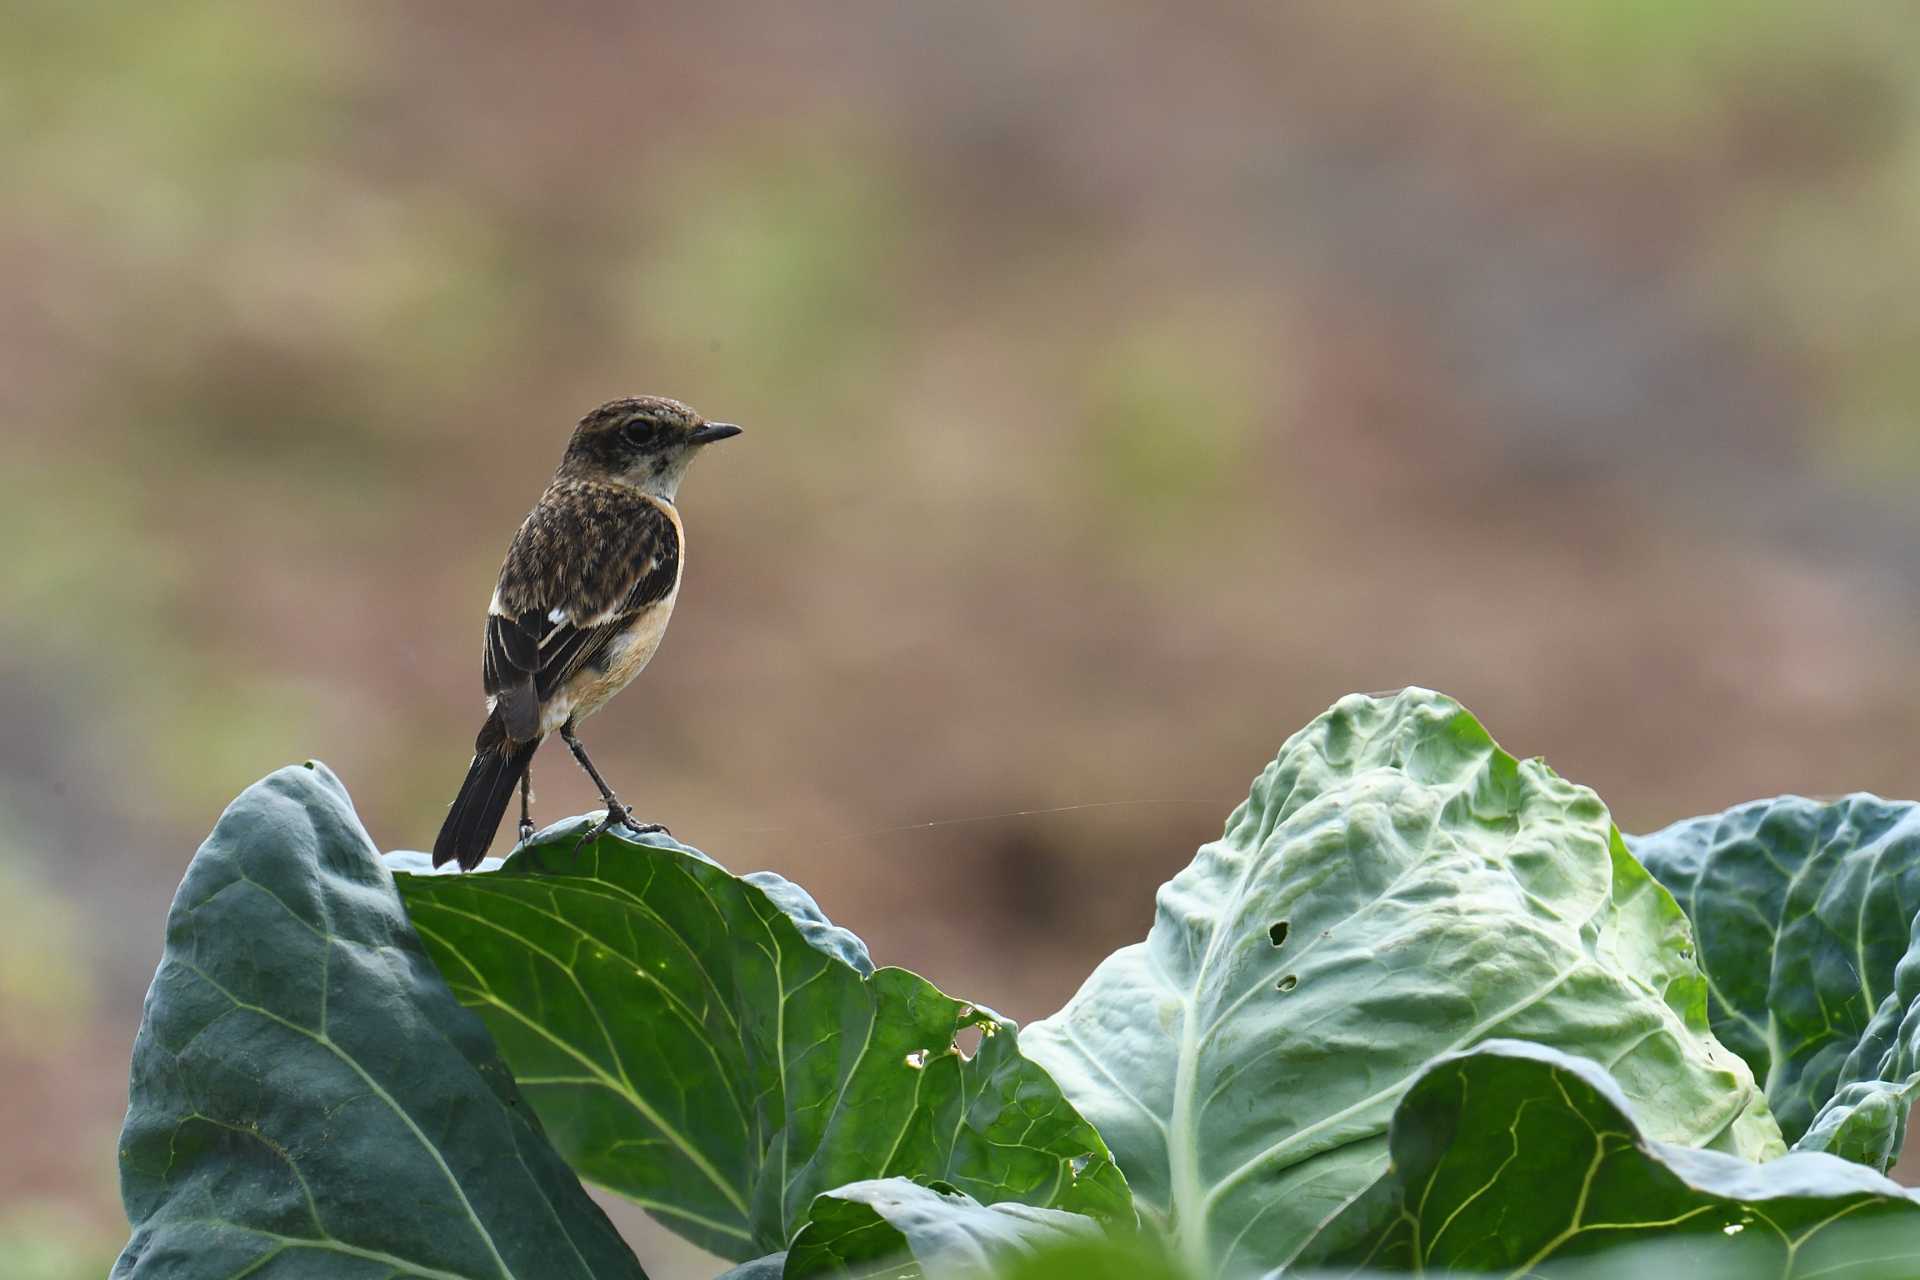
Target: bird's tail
498,765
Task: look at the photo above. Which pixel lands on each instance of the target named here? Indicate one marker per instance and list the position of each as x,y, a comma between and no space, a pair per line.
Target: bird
581,604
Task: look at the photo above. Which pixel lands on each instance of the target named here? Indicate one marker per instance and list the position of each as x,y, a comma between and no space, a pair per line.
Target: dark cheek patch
610,452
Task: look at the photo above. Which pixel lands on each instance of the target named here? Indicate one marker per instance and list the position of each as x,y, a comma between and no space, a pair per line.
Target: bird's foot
617,815
525,849
620,815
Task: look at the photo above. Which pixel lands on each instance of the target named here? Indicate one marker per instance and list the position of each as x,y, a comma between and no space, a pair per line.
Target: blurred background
1124,383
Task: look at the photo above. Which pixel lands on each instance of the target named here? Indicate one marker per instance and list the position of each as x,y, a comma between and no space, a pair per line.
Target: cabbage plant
1420,1009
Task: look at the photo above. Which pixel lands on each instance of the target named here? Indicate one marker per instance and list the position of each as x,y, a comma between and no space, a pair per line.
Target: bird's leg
616,812
526,823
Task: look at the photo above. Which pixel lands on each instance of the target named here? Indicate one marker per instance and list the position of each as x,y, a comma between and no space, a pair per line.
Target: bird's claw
617,815
524,847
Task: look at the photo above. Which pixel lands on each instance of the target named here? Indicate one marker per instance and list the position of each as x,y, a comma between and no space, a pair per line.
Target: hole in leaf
1287,983
1278,934
917,1059
1078,1165
966,1041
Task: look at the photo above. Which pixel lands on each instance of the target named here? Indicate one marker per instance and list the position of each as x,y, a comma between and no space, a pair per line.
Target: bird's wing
588,558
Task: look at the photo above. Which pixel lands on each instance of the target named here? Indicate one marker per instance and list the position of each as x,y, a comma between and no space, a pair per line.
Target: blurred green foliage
1793,132
46,987
1635,64
173,93
1167,424
1140,1259
42,1243
795,257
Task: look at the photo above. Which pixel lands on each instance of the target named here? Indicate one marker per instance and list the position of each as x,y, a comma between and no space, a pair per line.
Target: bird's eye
638,434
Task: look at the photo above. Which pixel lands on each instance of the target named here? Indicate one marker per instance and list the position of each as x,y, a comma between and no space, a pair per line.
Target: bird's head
644,441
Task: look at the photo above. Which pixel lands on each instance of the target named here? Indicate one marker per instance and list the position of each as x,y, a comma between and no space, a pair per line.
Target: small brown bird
582,602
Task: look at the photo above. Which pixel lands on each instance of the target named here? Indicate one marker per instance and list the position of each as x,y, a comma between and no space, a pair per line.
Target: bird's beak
712,431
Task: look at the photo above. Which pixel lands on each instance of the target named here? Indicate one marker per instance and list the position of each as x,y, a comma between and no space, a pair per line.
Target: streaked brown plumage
583,600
